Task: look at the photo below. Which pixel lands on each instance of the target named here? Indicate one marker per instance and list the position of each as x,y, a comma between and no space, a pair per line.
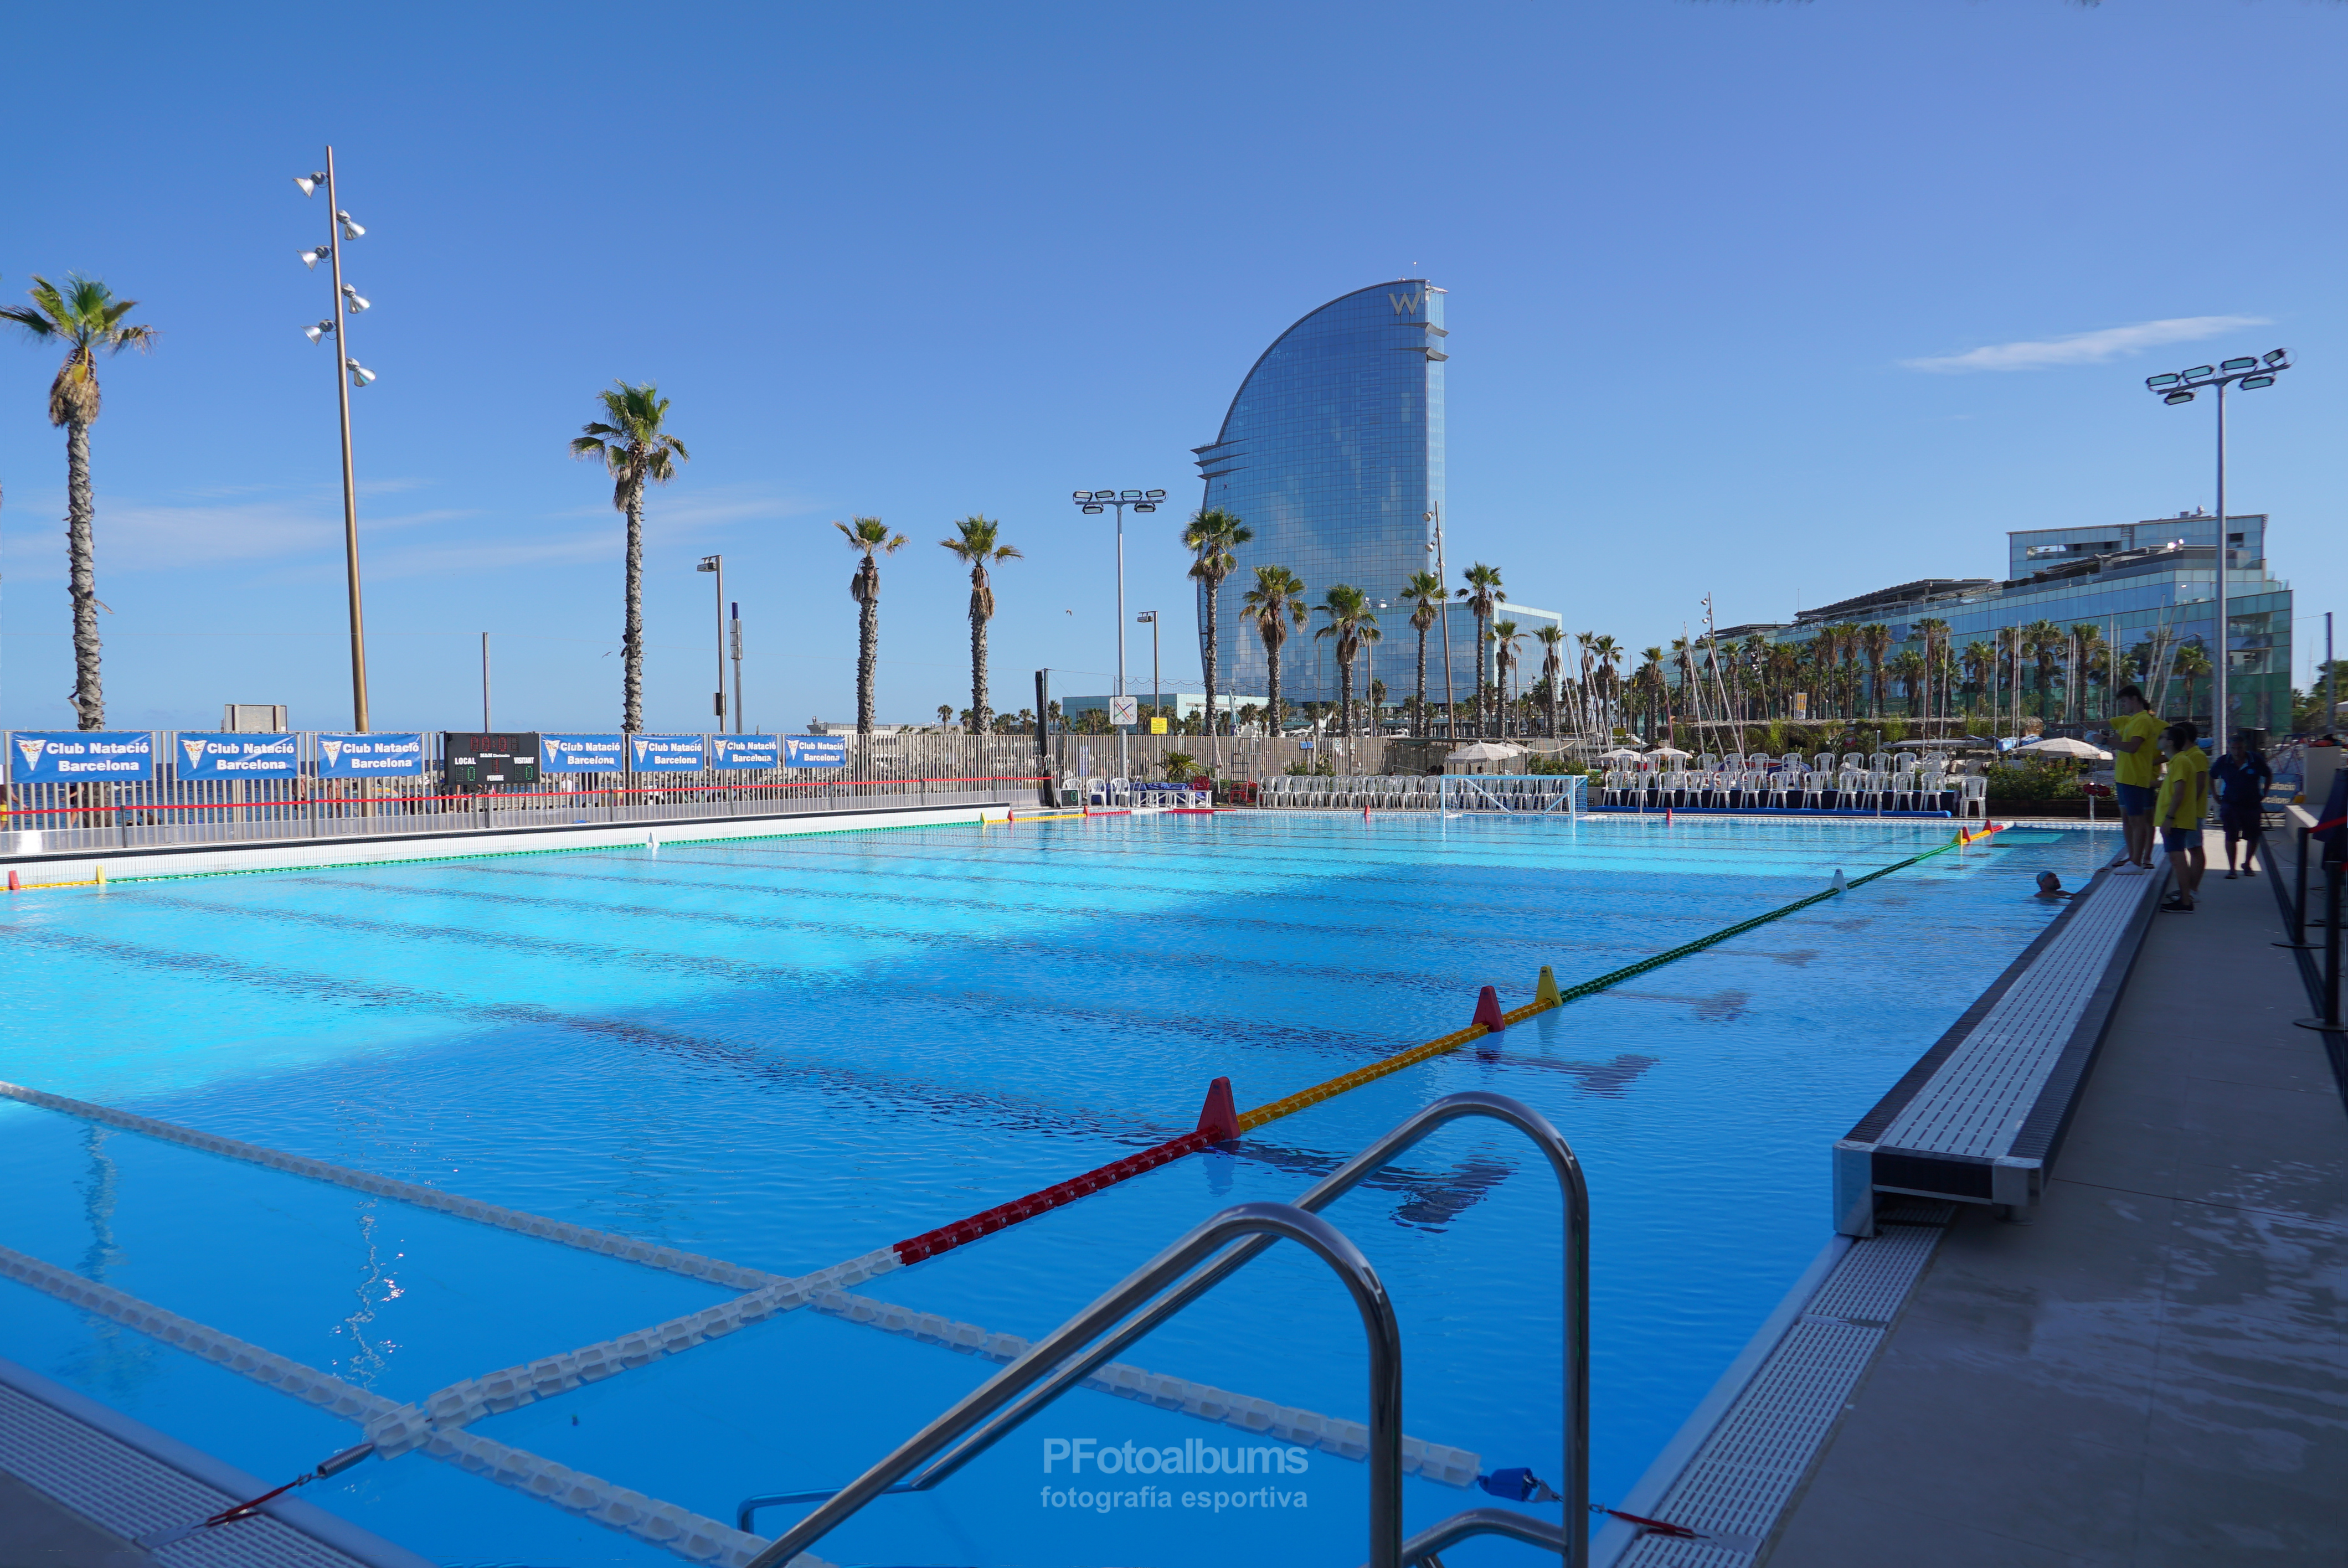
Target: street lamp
718,564
2178,386
1149,618
1093,502
350,372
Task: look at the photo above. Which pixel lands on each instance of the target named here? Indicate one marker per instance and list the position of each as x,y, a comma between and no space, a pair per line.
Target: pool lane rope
1217,1123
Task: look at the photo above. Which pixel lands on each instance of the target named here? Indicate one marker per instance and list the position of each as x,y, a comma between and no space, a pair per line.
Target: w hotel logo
1407,304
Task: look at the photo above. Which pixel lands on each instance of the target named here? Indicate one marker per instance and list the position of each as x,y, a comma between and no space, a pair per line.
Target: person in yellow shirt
2184,802
2136,769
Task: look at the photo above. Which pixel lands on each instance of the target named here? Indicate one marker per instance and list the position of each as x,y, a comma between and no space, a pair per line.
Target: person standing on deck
2184,802
2240,778
2136,769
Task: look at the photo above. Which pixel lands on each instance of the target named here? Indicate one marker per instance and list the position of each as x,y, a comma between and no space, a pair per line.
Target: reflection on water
116,1360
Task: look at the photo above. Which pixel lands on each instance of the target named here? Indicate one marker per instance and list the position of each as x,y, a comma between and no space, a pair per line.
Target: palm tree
1275,603
2192,663
2044,642
2088,638
1980,664
1553,641
945,715
1211,537
1649,684
1352,623
1484,595
974,545
1907,667
1506,641
634,449
1610,677
868,534
88,318
1935,633
1426,596
1874,642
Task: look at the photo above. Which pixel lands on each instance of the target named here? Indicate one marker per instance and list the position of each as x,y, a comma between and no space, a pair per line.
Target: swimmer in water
2050,887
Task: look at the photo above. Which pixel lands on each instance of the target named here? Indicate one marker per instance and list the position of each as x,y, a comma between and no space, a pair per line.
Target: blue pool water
786,1054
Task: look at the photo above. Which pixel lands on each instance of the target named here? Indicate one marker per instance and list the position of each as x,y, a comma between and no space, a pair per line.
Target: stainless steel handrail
1268,1222
1505,1521
1573,1192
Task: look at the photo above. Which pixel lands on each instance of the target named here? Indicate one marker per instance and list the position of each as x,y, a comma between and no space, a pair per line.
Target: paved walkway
2155,1372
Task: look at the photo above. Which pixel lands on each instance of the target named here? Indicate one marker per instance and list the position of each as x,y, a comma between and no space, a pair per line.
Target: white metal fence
167,808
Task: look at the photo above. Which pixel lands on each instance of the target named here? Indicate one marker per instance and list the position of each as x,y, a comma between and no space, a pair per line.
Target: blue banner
227,756
370,756
76,756
667,753
815,751
582,754
745,752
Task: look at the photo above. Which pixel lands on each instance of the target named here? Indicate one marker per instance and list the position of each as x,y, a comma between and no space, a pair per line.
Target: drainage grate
131,1493
1748,1465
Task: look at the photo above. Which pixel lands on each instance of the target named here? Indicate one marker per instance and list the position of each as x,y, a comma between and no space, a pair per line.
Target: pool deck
2154,1371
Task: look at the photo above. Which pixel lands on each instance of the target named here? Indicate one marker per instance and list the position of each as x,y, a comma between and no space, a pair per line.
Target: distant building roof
1923,589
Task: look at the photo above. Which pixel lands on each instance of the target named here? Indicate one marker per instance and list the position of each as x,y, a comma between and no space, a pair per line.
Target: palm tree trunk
977,667
1272,688
1419,707
632,635
1344,696
867,648
89,698
1207,659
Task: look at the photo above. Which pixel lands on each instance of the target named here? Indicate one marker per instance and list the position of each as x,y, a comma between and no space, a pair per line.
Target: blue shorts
2177,840
2136,800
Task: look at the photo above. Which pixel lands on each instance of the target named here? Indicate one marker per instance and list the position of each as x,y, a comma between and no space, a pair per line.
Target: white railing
166,808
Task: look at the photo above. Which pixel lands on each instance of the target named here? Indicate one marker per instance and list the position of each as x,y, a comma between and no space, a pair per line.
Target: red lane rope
945,1238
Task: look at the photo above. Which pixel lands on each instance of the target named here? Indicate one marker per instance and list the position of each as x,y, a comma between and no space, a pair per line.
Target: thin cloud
2085,348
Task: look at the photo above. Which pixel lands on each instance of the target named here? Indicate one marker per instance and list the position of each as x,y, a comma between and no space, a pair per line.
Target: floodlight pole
1451,719
350,490
2253,372
737,624
1140,501
717,702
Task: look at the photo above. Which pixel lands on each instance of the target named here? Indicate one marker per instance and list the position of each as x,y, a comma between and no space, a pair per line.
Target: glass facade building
1332,452
2150,588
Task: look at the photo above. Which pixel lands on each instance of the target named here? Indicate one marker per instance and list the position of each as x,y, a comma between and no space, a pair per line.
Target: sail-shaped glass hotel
1332,453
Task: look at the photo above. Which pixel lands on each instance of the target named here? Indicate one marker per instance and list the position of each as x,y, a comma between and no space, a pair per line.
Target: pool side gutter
165,861
129,1478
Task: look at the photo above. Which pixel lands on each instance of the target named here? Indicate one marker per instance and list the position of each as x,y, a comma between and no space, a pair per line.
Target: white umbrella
1484,751
1669,751
2063,746
1619,754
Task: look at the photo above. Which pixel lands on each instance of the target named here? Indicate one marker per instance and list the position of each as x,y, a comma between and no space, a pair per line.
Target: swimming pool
788,1053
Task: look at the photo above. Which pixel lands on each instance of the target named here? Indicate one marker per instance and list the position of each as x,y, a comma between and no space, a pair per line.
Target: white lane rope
680,1530
768,1295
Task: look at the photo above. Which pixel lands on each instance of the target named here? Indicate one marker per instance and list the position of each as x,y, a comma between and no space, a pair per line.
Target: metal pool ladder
1059,1361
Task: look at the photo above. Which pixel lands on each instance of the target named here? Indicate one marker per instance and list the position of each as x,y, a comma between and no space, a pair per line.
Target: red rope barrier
947,1237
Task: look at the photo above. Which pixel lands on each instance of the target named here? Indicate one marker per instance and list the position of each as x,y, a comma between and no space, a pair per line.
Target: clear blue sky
925,260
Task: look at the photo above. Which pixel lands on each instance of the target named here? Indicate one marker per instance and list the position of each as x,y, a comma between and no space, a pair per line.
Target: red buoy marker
1488,1011
1219,1118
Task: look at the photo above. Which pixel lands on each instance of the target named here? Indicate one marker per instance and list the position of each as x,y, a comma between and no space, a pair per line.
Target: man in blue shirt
2240,778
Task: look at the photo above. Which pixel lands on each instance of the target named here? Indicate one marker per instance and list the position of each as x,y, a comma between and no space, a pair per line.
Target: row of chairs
1800,789
1377,791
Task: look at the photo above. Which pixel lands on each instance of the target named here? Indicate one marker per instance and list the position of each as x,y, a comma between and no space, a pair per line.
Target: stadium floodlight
348,374
1082,494
360,374
2249,373
311,258
350,230
322,329
353,295
310,182
1094,502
